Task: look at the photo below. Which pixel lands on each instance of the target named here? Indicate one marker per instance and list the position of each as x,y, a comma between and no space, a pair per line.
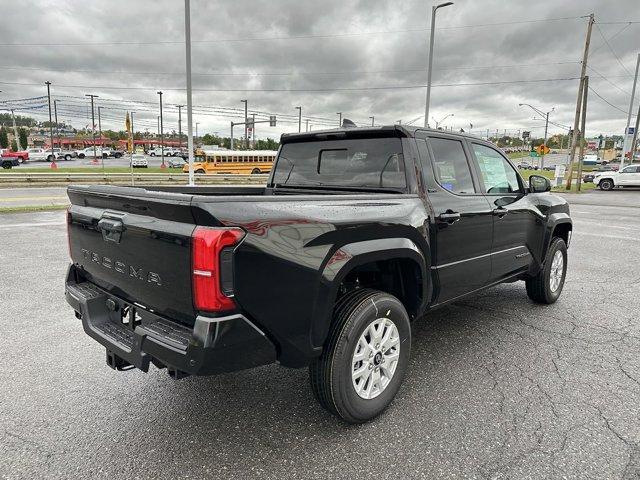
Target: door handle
449,217
500,212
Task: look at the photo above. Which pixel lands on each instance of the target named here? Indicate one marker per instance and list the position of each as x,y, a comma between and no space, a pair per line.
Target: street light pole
434,9
93,130
246,119
187,34
55,113
339,119
53,158
299,119
231,135
626,130
546,126
197,123
438,123
373,120
100,126
180,127
162,165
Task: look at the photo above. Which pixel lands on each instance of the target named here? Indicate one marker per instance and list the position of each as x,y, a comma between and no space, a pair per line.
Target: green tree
14,145
4,140
23,133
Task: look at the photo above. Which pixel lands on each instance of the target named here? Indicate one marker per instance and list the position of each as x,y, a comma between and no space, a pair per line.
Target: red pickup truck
22,156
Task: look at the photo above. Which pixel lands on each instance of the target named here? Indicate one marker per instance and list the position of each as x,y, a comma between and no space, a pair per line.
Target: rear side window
371,162
497,174
451,166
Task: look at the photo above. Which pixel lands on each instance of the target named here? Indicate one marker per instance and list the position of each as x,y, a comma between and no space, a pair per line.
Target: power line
291,37
608,81
612,50
337,89
611,38
276,74
607,101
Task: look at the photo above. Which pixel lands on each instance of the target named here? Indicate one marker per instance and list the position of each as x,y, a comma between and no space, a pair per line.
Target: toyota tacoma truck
358,232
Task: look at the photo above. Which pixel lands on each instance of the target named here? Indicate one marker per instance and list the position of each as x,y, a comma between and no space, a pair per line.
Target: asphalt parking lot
498,387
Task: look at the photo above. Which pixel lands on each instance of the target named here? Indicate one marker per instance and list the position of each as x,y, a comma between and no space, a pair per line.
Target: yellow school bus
243,162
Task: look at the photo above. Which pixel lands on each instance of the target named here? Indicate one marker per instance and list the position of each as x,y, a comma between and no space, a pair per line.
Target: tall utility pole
53,158
55,113
187,34
626,130
93,130
231,145
373,120
246,113
576,124
635,136
100,126
433,30
15,131
133,134
299,119
197,123
162,165
583,128
339,119
253,130
180,127
307,127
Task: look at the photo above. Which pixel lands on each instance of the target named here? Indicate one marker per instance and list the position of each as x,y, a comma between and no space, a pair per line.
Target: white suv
629,176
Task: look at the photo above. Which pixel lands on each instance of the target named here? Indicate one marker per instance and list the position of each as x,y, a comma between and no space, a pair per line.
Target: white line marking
618,237
28,225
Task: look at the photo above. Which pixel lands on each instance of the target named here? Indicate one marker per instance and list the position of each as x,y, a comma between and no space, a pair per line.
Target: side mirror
539,184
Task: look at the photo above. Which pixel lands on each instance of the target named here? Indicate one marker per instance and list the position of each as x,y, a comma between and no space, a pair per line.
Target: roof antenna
346,123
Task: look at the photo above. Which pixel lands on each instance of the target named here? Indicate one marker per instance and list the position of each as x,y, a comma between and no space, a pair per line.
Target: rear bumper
214,345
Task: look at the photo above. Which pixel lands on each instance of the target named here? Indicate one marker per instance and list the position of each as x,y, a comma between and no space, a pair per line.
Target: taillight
208,245
69,220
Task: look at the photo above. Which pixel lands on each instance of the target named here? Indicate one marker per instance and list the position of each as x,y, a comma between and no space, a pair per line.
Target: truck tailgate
132,249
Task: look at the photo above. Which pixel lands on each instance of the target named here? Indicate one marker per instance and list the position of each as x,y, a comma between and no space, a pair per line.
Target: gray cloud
549,49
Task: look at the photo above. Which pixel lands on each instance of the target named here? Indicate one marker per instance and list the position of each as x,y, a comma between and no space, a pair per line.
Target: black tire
50,158
199,171
82,155
539,287
606,184
67,157
7,165
255,171
152,154
331,373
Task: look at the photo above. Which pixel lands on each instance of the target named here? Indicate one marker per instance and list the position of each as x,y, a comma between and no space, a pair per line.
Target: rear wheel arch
400,270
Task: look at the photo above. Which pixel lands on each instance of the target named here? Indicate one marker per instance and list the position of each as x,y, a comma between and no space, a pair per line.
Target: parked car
90,152
527,166
629,176
9,162
176,162
61,154
206,281
22,155
117,153
156,152
40,154
139,161
591,159
549,168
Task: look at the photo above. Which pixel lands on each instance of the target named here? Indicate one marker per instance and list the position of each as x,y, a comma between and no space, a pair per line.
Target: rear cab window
362,163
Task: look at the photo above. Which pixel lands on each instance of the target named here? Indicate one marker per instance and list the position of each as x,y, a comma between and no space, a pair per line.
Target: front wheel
365,357
199,171
255,171
606,184
82,155
547,285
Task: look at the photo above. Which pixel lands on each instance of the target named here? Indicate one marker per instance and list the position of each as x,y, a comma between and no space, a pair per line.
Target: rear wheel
365,357
606,184
67,157
255,171
82,155
50,158
199,171
546,287
7,165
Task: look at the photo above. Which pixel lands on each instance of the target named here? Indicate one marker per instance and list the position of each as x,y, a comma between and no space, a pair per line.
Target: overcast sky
336,47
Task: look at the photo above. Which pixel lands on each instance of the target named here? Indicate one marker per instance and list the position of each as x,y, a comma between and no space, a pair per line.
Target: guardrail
126,178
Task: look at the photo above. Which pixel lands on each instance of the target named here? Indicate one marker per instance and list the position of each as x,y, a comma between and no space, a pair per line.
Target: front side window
497,174
451,166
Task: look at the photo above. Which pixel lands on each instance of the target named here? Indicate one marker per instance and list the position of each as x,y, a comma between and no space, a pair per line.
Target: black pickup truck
357,233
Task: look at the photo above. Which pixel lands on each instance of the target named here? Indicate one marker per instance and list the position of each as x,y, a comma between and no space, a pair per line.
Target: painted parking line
29,225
